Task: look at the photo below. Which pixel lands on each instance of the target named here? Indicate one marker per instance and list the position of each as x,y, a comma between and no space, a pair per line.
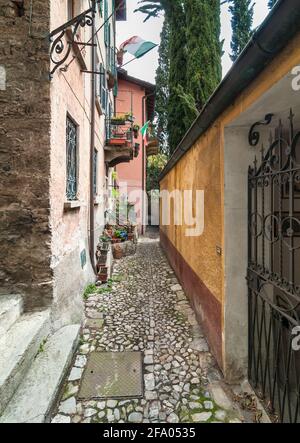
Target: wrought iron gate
274,274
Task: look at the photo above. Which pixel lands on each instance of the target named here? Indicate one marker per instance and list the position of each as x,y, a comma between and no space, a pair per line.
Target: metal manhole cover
112,375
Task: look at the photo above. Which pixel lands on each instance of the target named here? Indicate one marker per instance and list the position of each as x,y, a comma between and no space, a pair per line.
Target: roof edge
278,28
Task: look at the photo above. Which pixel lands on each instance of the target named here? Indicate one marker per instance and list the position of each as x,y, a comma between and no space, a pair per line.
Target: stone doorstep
18,348
35,396
11,307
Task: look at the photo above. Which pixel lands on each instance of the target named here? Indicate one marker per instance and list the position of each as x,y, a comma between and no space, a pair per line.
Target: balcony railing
152,143
119,130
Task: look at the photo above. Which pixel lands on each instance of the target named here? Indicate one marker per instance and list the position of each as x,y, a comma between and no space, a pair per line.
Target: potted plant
136,129
104,244
129,117
118,119
129,135
101,260
120,235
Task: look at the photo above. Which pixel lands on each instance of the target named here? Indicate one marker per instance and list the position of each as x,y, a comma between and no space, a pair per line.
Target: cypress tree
241,22
204,49
271,3
177,108
194,58
162,88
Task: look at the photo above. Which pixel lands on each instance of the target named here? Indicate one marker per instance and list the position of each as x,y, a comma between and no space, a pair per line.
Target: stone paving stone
146,310
68,406
61,419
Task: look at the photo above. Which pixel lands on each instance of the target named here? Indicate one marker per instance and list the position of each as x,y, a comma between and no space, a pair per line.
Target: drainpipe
143,163
92,145
143,159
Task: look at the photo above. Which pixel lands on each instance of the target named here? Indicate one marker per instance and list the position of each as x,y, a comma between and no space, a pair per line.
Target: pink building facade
137,97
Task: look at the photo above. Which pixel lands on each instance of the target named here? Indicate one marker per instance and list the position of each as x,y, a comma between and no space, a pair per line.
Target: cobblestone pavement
146,310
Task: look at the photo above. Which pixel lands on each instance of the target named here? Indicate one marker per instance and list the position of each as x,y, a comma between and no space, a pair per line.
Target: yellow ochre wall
202,168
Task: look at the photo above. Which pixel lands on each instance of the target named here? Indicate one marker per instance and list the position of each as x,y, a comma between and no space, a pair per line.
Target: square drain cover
112,375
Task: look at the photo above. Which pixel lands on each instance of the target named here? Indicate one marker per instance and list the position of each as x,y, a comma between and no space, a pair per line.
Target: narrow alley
146,310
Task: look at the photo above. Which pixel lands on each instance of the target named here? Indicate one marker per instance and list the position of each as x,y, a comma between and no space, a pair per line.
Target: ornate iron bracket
254,136
58,46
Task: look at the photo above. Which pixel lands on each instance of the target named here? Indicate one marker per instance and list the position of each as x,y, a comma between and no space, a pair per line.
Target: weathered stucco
71,95
25,154
202,168
41,241
131,95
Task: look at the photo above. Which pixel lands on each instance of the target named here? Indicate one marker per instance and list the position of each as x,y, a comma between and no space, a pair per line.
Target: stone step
18,347
11,307
33,400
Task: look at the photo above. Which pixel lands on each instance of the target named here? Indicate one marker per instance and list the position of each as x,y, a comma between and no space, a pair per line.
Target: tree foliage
177,112
204,49
162,88
241,22
155,164
194,52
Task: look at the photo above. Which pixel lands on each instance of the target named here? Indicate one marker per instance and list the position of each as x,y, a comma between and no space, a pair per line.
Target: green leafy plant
41,347
114,175
104,239
90,290
115,193
129,117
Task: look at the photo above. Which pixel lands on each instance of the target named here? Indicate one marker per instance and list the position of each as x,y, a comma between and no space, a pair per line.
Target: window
108,117
102,87
72,159
95,171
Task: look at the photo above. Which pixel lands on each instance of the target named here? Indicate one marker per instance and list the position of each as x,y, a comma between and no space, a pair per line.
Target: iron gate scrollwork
274,273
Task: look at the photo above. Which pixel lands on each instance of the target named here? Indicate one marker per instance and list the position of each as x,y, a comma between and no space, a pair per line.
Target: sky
145,67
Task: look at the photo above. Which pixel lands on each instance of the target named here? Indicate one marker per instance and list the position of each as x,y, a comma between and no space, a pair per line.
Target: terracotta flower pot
116,240
102,278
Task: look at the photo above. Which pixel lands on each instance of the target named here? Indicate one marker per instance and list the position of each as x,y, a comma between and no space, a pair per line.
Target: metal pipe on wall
145,97
92,143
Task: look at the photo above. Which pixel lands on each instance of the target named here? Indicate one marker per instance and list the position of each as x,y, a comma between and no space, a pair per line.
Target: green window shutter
106,26
116,89
98,80
100,7
102,91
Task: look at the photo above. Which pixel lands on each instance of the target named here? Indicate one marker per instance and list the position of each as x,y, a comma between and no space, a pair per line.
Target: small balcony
152,145
119,146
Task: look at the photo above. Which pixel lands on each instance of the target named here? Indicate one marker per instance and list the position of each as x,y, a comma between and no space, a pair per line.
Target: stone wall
25,151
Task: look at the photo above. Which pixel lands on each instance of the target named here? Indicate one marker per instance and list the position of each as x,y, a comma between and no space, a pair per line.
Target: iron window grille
72,159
